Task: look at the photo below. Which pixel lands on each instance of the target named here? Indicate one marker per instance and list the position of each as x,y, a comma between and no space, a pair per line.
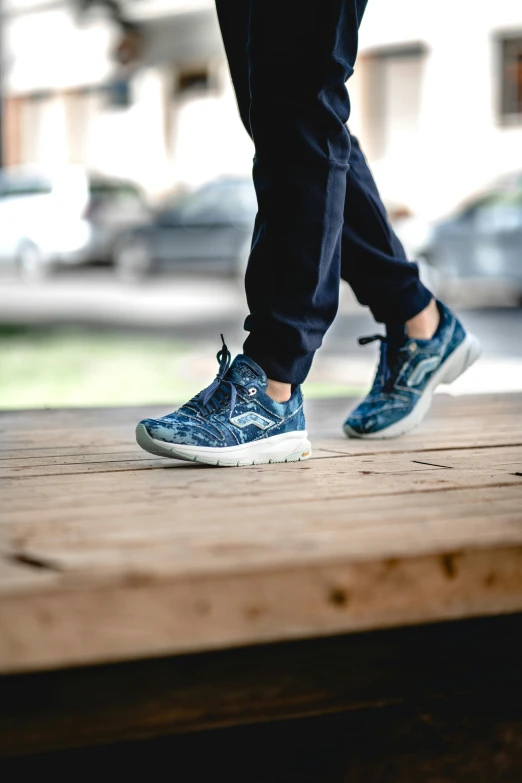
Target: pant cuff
402,305
284,368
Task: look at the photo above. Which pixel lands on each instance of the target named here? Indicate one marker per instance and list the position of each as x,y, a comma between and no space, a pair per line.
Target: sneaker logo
248,418
422,369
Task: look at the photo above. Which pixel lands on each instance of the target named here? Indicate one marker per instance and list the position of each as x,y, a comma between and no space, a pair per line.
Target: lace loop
371,339
214,393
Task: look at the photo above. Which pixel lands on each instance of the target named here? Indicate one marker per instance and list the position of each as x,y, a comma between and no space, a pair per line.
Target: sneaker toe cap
358,426
370,418
172,430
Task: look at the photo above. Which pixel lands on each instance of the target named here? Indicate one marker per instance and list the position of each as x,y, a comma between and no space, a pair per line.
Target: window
192,80
391,89
511,79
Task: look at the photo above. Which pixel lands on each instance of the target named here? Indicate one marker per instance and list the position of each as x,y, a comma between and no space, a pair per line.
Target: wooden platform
107,555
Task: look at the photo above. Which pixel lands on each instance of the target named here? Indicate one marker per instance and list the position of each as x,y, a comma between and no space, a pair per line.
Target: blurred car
65,217
208,230
483,239
414,233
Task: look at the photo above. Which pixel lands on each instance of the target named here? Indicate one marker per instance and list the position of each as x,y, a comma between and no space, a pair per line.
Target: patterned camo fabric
405,369
234,409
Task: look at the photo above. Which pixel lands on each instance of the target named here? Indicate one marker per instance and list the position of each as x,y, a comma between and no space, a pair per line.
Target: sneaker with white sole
409,371
231,422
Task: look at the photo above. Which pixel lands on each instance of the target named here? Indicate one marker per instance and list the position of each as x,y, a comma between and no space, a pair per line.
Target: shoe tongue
244,371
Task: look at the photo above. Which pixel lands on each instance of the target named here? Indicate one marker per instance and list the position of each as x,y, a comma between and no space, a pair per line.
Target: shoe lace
215,394
391,362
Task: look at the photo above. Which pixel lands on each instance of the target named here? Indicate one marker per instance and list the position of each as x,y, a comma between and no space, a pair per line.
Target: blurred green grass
70,367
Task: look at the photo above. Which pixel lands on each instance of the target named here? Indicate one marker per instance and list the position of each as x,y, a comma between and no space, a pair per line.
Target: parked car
414,233
483,239
65,217
208,230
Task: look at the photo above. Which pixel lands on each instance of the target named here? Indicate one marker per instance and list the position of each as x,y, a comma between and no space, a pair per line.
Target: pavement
196,310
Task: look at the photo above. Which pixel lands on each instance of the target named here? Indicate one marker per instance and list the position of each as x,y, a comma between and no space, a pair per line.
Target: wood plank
313,521
328,478
103,616
71,511
126,556
472,437
50,466
134,554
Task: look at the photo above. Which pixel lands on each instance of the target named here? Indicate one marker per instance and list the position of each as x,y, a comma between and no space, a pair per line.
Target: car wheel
31,262
132,260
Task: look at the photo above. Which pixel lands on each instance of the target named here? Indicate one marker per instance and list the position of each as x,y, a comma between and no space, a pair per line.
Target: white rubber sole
288,447
457,363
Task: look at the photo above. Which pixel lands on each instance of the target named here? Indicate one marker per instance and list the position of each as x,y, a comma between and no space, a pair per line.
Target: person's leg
373,261
299,56
295,105
233,16
424,344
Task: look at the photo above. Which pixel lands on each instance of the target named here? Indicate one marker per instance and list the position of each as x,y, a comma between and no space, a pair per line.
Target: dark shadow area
438,703
463,740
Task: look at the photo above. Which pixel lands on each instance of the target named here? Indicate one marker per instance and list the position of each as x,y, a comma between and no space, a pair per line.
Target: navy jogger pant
320,216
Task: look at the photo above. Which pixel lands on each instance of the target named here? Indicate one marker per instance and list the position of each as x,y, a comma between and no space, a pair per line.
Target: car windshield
228,200
508,193
500,209
113,191
13,186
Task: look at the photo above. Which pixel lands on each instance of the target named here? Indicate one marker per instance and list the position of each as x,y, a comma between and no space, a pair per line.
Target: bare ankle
279,392
424,325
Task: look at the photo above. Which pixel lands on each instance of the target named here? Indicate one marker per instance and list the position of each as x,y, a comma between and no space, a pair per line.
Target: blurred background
126,207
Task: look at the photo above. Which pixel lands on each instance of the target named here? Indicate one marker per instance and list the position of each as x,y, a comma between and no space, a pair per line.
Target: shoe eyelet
412,347
252,392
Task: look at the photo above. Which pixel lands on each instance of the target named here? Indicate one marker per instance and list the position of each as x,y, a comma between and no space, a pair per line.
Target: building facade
436,97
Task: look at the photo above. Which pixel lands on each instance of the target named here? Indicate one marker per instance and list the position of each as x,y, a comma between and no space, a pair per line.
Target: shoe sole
452,368
288,447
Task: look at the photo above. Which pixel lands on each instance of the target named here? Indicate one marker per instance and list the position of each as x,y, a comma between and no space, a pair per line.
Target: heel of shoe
293,450
304,452
463,357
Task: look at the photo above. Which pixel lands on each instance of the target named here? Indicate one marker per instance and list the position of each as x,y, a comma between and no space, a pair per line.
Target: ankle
279,392
424,325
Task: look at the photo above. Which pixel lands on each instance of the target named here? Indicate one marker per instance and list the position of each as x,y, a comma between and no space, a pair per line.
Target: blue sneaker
408,372
231,422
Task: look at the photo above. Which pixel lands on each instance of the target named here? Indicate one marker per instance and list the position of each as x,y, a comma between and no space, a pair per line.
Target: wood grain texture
107,554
